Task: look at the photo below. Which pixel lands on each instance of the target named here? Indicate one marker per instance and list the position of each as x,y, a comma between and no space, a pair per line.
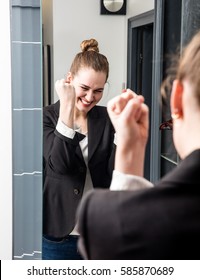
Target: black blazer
65,169
157,223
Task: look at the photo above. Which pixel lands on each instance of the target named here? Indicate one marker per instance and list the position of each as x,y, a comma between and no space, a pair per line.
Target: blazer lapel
96,124
78,149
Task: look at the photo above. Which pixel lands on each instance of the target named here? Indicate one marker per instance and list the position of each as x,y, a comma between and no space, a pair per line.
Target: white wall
77,20
6,135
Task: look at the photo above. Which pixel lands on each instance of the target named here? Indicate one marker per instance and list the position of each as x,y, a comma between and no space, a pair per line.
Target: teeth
85,102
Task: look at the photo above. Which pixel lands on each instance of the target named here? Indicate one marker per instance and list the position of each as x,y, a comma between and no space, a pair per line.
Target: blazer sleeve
59,152
96,216
82,213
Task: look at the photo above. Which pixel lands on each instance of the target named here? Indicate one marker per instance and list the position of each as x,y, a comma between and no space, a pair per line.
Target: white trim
27,109
28,173
168,159
28,255
23,42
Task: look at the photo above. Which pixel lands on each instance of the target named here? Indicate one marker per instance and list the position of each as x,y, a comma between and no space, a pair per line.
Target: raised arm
129,116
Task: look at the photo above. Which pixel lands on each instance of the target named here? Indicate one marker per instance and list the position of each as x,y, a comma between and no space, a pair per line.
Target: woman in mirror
160,222
79,149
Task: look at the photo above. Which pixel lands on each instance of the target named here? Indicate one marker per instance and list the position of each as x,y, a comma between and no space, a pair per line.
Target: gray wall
26,60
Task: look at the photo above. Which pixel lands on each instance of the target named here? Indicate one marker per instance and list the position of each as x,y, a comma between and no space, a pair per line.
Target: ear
68,77
176,99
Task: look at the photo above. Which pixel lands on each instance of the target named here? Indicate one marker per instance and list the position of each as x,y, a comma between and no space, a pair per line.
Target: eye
84,88
98,91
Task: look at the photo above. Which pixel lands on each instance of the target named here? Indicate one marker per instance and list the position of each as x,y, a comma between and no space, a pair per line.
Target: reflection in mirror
78,149
112,5
63,49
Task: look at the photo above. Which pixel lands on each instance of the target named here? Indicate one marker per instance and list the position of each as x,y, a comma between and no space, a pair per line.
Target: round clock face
113,5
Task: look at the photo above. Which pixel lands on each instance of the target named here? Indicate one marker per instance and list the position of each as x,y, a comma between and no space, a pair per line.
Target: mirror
29,104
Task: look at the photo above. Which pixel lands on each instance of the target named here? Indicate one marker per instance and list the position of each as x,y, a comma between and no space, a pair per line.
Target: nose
90,96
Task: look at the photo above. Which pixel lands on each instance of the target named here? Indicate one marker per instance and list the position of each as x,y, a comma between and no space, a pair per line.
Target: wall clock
113,7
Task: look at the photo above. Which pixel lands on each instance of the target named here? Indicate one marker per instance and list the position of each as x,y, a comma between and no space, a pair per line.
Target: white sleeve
121,181
65,130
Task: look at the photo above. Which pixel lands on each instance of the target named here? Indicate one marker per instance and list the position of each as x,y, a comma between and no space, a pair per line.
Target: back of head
186,67
189,65
89,57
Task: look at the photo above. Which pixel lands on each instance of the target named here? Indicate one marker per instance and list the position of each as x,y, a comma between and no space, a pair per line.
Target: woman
162,222
79,149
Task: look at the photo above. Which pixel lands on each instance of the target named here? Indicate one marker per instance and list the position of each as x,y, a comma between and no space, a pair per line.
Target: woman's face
89,86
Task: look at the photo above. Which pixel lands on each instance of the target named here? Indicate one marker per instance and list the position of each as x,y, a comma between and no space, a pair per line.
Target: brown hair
90,58
188,67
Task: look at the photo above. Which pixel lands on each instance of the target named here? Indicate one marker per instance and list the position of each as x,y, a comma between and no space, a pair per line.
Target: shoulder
52,108
51,113
186,173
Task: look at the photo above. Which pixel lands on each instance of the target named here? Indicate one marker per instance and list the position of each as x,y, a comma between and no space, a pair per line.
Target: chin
83,108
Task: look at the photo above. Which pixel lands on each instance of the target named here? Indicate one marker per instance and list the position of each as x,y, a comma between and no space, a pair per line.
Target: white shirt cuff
115,139
65,130
121,181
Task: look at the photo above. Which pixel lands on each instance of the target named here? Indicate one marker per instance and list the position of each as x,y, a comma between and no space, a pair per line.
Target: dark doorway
139,72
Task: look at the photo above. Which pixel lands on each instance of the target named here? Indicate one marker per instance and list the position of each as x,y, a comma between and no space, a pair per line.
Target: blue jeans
60,248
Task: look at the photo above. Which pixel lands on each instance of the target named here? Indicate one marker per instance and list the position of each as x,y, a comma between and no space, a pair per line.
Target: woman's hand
67,96
129,116
65,92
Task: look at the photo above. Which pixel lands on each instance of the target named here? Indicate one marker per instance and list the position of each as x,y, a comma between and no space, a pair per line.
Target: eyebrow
83,85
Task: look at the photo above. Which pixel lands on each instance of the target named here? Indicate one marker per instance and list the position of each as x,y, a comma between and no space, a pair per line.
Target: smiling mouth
85,102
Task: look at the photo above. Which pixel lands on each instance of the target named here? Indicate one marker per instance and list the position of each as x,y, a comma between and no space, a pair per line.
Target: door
139,72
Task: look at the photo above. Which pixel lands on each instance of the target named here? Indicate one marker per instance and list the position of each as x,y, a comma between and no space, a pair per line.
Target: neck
190,139
79,115
80,121
191,147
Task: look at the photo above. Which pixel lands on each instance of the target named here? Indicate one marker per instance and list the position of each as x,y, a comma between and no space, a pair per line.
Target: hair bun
89,45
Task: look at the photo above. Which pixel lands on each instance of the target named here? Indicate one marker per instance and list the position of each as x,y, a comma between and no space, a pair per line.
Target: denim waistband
59,239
